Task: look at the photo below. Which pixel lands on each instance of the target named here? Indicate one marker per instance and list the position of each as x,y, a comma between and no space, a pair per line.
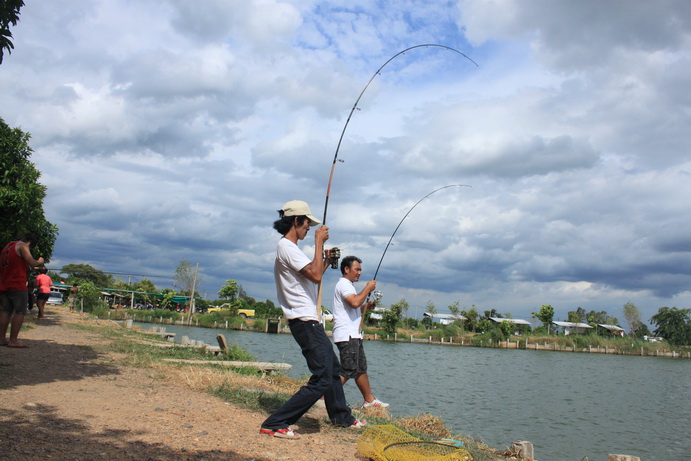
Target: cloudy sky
169,130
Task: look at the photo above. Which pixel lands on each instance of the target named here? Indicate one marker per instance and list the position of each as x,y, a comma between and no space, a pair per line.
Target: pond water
569,405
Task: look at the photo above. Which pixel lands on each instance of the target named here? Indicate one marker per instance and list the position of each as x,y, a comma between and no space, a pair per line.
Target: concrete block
523,449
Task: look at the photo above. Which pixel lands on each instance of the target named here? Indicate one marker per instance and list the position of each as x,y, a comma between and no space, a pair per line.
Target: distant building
614,329
572,327
444,319
513,321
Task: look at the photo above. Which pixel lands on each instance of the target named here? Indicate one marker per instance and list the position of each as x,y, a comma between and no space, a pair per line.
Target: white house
572,327
444,319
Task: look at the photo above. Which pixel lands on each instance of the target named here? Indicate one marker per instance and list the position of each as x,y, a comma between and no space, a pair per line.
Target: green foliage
235,352
485,325
9,14
674,325
21,195
593,318
100,309
539,331
88,294
86,273
267,310
642,331
260,325
165,313
229,290
545,315
505,328
472,316
393,315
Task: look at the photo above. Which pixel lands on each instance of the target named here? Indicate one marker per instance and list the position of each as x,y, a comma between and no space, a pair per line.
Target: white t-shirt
346,319
296,294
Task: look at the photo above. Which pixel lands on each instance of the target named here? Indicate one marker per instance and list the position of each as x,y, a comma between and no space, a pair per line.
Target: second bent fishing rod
377,294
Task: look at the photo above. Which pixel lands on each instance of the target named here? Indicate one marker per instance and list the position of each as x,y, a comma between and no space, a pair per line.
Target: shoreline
522,343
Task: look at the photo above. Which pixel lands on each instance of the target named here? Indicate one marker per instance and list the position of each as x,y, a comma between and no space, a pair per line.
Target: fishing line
377,295
406,215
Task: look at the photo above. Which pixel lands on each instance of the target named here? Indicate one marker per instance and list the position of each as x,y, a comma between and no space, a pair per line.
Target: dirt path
61,399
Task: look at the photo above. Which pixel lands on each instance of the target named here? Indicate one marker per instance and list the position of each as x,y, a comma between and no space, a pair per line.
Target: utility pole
194,285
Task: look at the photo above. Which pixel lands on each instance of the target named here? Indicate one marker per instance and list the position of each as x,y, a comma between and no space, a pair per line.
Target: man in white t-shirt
347,309
297,277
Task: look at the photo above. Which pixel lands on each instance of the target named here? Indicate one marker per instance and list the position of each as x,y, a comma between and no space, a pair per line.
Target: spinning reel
335,254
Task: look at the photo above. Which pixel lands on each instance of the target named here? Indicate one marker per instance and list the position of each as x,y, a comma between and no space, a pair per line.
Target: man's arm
355,301
23,249
314,270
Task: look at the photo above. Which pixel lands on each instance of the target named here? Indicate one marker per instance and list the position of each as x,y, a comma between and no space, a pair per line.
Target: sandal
280,433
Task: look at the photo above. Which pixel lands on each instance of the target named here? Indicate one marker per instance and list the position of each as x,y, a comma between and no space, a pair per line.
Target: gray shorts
353,360
15,302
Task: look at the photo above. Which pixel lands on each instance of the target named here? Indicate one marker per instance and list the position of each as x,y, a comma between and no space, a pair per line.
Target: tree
85,272
393,315
491,313
632,316
21,196
598,318
185,277
9,14
472,318
545,315
229,290
642,331
145,285
674,325
430,308
454,308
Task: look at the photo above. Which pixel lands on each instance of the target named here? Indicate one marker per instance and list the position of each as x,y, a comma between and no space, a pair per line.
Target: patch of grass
256,399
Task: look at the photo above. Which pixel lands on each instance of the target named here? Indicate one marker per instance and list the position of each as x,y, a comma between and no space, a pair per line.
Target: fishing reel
377,295
334,255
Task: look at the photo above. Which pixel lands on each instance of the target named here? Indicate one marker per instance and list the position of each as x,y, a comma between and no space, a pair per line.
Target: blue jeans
325,380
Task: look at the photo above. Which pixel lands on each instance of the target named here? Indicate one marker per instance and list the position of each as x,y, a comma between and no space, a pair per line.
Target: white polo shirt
297,295
346,319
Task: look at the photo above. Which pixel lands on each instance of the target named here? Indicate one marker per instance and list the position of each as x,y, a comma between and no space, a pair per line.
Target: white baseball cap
299,208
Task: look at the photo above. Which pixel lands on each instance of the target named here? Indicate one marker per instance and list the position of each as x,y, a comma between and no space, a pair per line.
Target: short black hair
29,237
284,224
348,262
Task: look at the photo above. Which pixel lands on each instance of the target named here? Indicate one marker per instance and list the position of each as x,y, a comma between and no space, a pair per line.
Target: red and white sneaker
358,423
281,433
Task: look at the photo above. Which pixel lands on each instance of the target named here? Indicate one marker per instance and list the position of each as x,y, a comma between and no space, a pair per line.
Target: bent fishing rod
340,139
355,106
377,295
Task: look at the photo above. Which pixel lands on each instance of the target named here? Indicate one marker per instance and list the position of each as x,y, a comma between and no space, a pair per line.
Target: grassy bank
249,388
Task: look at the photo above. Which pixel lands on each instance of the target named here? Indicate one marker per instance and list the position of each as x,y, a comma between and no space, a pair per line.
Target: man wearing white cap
296,285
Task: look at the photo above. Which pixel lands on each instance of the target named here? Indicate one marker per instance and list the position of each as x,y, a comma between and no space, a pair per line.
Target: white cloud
167,130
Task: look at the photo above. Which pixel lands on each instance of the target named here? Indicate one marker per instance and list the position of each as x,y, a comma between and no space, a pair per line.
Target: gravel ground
61,399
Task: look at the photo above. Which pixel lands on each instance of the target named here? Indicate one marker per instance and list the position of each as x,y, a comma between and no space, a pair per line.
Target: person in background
297,277
348,306
72,298
43,284
15,262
